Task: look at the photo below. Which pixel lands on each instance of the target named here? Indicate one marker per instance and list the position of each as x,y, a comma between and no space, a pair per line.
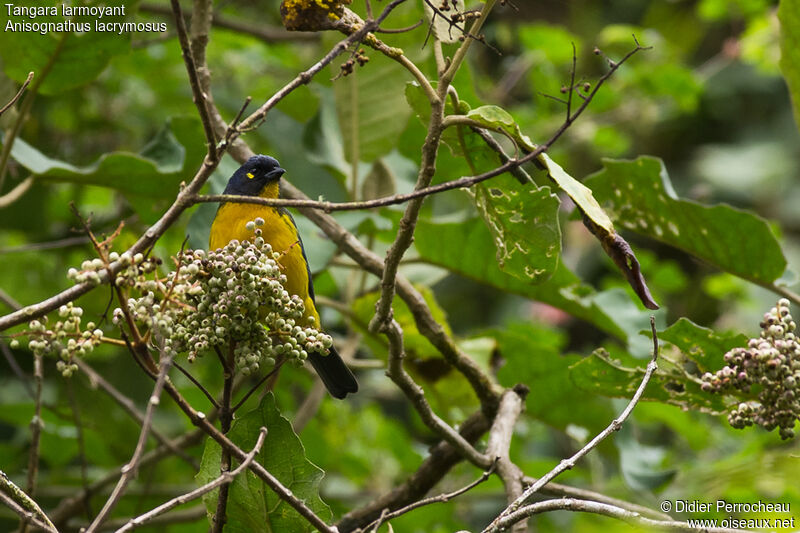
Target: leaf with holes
467,249
639,196
524,225
617,374
704,346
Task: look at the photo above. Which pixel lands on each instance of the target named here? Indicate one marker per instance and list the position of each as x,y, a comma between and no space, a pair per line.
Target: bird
260,176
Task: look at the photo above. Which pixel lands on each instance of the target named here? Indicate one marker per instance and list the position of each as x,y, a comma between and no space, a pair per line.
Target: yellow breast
279,231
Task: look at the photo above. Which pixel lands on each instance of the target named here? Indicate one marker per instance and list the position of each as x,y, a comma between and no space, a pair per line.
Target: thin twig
260,382
440,498
19,93
130,470
76,414
304,77
16,193
261,31
197,384
223,479
567,464
225,418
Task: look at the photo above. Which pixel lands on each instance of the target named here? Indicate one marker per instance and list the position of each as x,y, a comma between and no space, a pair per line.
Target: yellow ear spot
250,175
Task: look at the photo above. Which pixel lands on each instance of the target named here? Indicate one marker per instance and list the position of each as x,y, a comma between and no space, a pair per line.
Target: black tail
338,379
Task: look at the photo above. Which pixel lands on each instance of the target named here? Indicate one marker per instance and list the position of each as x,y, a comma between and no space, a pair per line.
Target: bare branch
130,470
36,432
198,94
269,34
417,396
223,479
440,498
511,405
567,464
16,193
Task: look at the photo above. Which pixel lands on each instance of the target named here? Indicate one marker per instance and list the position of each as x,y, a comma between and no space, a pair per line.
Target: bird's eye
251,175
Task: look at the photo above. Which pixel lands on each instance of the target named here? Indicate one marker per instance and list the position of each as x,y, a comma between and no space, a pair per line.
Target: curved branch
585,506
567,464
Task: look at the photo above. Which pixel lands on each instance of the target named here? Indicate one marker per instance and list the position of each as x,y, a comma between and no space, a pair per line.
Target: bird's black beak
275,175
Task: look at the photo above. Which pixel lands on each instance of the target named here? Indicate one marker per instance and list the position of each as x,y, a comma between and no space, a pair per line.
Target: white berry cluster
232,298
64,339
768,367
134,267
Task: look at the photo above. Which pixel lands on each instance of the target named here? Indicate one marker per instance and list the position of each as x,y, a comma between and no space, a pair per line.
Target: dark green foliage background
692,150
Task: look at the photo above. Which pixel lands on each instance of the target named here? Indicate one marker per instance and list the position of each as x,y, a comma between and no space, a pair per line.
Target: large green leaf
371,108
789,16
466,248
532,356
65,60
171,157
252,505
638,196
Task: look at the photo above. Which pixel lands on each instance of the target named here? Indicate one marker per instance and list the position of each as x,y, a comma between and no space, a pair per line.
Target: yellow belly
279,231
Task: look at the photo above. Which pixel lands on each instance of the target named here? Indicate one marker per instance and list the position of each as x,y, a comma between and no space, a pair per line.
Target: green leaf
532,355
371,108
789,17
639,196
252,505
64,60
524,224
617,374
156,171
497,118
580,194
467,248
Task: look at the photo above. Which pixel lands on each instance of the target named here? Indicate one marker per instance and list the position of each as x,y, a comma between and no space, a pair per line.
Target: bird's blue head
254,175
